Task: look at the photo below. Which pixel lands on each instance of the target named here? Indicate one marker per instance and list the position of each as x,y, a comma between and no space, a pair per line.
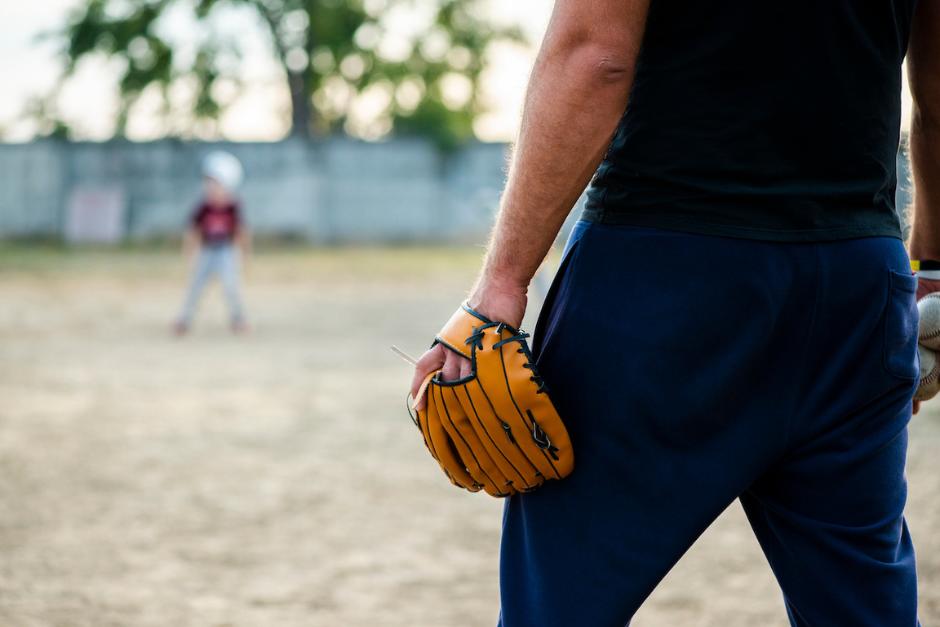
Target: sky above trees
89,99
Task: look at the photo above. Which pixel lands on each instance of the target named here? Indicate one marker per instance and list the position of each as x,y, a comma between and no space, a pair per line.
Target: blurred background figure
218,239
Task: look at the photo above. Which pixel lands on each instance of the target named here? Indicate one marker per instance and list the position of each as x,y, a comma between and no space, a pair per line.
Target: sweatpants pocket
900,327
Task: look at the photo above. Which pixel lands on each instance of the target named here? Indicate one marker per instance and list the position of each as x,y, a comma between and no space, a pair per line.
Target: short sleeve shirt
217,225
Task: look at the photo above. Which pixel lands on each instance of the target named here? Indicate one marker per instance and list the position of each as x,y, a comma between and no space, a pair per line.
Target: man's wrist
505,282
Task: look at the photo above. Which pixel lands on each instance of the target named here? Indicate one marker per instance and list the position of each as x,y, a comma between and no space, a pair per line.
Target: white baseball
929,374
928,330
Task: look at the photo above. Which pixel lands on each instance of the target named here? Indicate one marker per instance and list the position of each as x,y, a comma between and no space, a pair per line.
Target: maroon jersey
217,225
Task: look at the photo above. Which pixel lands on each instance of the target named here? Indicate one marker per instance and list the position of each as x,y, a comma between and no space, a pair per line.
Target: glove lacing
520,337
476,341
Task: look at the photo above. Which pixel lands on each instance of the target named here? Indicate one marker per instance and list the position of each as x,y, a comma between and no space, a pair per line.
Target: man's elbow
608,67
599,64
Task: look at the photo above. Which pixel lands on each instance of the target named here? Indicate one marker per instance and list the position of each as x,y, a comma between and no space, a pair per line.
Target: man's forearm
576,95
923,60
925,166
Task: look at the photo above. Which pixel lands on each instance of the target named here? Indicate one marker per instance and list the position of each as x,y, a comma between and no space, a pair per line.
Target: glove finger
501,403
441,447
478,459
525,456
497,437
531,405
417,418
548,433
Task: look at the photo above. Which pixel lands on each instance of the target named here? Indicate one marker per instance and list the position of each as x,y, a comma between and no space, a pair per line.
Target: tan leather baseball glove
496,429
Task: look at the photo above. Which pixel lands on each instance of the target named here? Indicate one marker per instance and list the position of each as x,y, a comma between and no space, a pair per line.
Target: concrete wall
334,191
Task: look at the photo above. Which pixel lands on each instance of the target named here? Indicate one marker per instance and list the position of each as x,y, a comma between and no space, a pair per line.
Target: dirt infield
259,480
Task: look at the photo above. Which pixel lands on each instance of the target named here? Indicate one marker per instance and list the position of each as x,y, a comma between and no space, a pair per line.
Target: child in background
218,237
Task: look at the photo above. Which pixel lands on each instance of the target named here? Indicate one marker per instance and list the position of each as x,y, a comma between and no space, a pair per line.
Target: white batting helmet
224,168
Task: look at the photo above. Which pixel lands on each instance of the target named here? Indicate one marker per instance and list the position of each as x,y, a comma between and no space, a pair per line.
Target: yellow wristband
915,265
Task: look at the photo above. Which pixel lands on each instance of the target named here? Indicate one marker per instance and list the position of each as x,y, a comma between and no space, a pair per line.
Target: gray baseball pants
221,260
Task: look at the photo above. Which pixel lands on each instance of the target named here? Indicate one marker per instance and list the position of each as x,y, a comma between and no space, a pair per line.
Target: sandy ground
275,479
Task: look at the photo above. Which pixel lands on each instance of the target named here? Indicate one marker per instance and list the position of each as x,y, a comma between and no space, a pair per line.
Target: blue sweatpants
694,370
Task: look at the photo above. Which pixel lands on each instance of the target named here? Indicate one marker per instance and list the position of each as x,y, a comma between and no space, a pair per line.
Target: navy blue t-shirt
763,120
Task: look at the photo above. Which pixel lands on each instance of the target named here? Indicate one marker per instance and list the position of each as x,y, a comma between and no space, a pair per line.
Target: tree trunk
301,121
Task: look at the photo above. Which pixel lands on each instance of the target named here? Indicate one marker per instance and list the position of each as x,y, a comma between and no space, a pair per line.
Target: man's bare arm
576,95
923,60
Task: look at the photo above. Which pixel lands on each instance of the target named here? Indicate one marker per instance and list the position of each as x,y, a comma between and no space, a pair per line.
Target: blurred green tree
334,55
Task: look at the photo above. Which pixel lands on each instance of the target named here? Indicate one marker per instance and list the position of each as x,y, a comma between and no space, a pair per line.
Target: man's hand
502,304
